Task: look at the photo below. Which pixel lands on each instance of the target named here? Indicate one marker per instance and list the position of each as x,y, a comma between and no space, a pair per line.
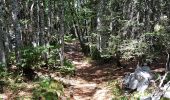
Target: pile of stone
140,80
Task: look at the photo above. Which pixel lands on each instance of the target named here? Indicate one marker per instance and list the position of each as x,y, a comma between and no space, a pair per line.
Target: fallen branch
161,81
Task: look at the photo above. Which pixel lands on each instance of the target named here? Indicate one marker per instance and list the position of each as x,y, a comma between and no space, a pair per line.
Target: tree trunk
2,48
168,61
16,29
61,41
99,25
42,23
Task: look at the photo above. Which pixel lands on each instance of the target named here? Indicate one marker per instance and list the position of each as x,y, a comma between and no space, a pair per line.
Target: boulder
139,80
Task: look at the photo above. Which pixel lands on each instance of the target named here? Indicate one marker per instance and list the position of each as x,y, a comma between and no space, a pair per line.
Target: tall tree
2,46
61,41
16,28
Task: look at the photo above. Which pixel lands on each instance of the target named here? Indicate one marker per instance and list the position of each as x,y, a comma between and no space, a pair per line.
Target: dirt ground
93,77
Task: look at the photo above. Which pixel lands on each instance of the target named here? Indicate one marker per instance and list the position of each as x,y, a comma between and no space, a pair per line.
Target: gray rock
139,79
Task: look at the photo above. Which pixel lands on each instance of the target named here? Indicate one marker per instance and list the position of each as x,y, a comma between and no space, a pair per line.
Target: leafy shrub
94,52
11,59
34,57
48,89
68,68
116,89
114,44
69,38
118,92
3,70
53,56
133,48
31,56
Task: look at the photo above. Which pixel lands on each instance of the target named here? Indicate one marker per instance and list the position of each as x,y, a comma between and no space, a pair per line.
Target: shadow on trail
91,76
107,72
97,72
101,73
73,52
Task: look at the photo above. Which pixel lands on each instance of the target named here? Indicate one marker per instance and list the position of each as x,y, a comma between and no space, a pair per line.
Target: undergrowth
118,92
48,89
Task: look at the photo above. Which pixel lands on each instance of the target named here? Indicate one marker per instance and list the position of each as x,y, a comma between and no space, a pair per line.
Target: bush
95,54
35,57
69,38
3,71
48,89
68,68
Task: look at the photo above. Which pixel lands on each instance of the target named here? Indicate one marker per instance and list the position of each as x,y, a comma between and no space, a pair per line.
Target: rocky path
88,82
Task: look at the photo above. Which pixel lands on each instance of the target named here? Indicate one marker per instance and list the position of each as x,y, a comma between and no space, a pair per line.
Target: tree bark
2,46
61,41
16,29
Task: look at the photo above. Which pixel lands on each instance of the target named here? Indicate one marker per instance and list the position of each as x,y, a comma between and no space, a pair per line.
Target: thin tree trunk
42,23
2,48
61,41
38,23
32,17
16,29
99,25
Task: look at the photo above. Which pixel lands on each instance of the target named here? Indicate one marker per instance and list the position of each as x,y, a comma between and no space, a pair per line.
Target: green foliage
68,68
3,71
94,52
69,38
11,58
158,40
133,48
53,57
128,48
121,98
168,77
116,89
48,89
15,87
118,92
164,98
2,65
34,57
31,56
114,43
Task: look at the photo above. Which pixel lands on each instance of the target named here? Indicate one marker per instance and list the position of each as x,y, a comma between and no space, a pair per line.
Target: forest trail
91,78
90,81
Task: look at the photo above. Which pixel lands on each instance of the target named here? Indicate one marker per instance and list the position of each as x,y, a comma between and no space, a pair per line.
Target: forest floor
92,78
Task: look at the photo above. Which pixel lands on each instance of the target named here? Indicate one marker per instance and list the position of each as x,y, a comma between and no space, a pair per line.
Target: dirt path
90,80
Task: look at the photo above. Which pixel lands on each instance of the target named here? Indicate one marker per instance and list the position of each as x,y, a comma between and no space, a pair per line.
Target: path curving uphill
90,81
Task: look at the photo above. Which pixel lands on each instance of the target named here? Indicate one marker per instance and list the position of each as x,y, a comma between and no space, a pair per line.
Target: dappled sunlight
25,95
3,97
104,72
84,49
103,94
91,77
